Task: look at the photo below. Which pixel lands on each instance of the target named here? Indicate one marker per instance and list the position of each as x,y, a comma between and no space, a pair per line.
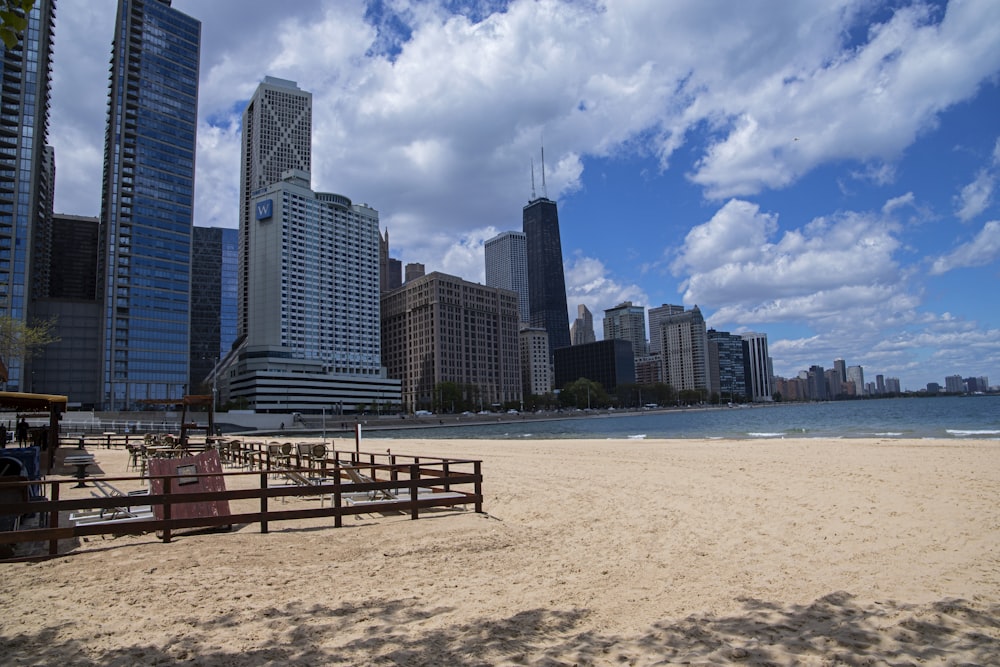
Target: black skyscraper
546,283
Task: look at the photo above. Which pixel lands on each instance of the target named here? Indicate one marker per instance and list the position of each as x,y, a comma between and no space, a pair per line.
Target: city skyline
816,175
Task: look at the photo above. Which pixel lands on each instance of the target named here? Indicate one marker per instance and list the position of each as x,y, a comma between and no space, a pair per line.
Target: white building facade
507,267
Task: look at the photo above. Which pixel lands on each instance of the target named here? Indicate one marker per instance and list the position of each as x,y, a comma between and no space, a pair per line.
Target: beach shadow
834,629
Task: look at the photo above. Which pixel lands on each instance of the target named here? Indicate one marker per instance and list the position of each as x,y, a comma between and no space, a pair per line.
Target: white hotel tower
313,338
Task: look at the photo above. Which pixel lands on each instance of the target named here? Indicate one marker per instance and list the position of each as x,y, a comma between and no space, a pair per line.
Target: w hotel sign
265,209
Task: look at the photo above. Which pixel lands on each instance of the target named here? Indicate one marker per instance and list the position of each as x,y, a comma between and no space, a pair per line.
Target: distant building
390,268
440,328
609,362
71,366
214,261
760,367
840,366
892,386
834,388
648,369
953,384
727,365
414,270
933,388
627,322
546,281
581,331
684,345
655,316
856,377
507,268
277,137
536,369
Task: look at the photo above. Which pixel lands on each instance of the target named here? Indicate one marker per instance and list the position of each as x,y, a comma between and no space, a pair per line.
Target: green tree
20,341
584,393
14,20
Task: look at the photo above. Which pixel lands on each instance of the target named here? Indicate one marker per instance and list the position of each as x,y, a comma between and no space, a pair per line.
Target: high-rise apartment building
727,366
536,370
546,281
26,170
684,350
312,344
760,367
840,366
214,259
146,208
277,137
856,377
507,267
581,331
953,384
439,328
655,316
627,322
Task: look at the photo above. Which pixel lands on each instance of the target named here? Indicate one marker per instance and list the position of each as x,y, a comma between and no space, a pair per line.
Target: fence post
414,489
166,508
337,519
479,486
263,500
54,519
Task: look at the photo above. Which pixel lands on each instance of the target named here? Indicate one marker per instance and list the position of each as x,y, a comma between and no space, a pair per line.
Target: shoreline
595,552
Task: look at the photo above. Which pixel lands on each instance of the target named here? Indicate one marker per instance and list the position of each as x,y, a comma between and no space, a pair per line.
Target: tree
14,20
584,393
20,341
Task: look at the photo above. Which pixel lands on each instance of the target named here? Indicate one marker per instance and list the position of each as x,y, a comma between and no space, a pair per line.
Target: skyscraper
26,167
582,330
507,267
546,282
655,316
726,365
277,137
146,208
313,338
213,300
760,367
627,322
684,350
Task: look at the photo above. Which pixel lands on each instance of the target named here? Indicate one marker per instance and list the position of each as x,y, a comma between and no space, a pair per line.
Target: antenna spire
545,191
532,179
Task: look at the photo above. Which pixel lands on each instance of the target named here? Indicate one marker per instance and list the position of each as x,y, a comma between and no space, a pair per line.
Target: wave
639,436
961,433
765,435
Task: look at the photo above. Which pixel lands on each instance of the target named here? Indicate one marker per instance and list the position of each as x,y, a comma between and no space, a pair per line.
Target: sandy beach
591,552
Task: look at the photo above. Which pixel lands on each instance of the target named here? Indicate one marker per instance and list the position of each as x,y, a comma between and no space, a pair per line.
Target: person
3,436
22,432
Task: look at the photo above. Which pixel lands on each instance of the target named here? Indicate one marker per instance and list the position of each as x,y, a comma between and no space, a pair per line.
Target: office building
507,267
648,370
655,316
536,369
954,384
214,261
581,331
277,137
390,268
439,328
146,208
727,366
627,322
834,387
760,367
312,344
684,351
840,366
26,171
816,377
546,281
71,365
414,270
608,362
856,378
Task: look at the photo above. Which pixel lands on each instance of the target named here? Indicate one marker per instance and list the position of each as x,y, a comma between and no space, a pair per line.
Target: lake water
944,417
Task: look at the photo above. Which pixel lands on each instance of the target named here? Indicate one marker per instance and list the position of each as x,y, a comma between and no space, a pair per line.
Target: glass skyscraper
546,282
147,203
26,169
213,300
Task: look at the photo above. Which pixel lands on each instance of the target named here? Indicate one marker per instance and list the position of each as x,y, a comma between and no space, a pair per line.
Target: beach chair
357,477
106,490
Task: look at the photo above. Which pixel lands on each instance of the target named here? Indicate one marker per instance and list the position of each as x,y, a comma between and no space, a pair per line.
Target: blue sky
823,172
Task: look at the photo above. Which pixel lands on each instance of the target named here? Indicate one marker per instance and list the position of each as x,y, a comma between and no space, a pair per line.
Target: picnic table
81,461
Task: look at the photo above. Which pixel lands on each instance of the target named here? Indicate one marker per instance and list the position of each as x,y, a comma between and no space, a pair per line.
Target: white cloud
898,202
980,251
589,282
975,197
732,263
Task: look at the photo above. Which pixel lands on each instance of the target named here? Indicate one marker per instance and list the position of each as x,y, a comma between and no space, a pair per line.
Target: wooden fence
352,482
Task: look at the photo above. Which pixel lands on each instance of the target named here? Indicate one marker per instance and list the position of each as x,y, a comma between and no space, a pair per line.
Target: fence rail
354,483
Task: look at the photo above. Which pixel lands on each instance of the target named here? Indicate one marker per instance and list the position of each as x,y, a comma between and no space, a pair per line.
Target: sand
591,552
